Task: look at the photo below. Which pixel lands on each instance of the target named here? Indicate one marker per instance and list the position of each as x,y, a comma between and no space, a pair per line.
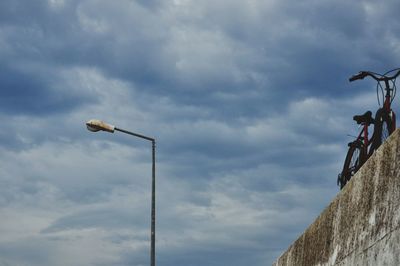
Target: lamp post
97,125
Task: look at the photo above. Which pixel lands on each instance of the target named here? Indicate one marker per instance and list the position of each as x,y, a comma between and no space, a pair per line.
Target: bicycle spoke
354,161
385,131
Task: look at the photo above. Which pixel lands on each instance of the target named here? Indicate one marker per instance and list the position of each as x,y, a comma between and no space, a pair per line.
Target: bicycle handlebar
360,75
377,77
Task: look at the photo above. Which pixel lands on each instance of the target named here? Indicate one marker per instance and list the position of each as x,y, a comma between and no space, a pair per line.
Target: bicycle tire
384,127
353,162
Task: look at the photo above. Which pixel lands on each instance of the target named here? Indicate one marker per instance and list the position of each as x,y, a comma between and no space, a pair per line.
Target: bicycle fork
386,106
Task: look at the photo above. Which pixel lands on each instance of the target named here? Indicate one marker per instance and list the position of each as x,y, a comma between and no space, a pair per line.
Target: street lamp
95,125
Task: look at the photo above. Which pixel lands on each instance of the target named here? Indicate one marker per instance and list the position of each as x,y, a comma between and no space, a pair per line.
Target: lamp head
95,125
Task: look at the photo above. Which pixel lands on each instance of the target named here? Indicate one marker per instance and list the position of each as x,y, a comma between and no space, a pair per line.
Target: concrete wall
361,226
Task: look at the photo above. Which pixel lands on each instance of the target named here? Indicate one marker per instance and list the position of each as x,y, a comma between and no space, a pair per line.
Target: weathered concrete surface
361,226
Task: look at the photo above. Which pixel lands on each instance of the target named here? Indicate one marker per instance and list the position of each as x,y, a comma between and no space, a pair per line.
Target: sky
249,103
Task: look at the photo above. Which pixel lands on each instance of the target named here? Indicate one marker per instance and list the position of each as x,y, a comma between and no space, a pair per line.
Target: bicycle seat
365,118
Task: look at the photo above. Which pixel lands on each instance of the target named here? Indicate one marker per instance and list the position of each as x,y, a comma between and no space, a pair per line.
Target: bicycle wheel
383,128
353,162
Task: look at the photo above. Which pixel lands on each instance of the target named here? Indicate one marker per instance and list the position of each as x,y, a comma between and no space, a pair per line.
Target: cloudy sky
249,102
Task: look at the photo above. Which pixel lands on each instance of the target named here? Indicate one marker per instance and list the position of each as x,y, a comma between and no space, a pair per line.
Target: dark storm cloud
28,93
36,45
283,58
281,62
12,12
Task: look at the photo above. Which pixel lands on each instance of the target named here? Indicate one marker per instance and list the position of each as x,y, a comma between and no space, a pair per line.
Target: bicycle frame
363,136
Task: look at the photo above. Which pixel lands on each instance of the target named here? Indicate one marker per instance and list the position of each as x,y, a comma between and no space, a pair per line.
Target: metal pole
134,134
153,194
153,206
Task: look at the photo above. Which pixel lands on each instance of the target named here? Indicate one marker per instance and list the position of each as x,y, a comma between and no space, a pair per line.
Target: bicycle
384,125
